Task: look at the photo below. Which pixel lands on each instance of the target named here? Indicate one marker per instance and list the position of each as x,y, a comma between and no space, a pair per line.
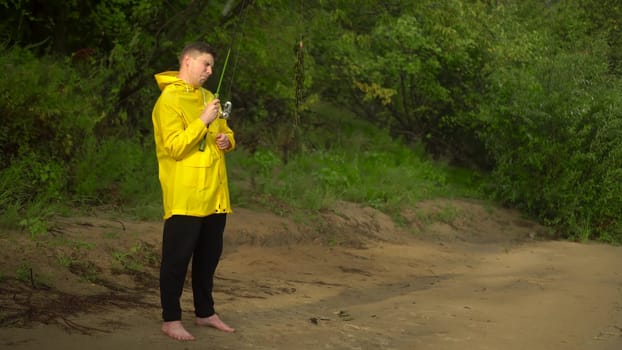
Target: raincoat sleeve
178,139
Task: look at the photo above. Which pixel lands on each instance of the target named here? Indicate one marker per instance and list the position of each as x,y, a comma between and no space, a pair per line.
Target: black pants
185,237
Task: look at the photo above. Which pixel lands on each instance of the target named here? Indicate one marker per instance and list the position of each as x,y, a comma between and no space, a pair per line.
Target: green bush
117,171
358,162
48,113
46,107
554,130
49,153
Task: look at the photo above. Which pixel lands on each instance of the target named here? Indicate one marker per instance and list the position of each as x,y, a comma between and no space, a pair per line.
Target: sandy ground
454,275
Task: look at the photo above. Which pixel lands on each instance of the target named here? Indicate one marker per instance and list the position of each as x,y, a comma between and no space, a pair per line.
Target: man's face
199,67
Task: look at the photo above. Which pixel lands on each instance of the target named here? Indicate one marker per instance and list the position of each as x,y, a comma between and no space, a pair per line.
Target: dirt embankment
453,275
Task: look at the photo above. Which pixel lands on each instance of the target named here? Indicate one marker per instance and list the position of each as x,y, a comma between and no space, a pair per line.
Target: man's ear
185,59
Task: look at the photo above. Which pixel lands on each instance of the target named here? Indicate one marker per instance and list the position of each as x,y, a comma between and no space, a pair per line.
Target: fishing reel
225,114
226,111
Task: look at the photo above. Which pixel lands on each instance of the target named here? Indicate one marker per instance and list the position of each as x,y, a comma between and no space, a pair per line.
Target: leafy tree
528,90
416,70
53,27
48,113
552,117
604,17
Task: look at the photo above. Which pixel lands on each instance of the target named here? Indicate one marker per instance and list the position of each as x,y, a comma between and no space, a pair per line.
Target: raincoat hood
165,79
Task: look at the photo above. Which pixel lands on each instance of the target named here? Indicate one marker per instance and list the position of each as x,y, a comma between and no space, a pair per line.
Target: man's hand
222,141
210,113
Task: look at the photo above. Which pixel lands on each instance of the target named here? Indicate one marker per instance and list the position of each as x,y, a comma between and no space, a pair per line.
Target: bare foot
176,330
215,322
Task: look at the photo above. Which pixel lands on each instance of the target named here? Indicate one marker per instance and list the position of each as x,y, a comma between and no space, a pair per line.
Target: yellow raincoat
193,182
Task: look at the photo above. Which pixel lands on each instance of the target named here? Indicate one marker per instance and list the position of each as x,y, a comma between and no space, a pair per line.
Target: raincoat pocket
196,170
199,159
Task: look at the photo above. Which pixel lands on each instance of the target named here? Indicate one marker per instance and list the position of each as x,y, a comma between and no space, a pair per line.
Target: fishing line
227,106
243,12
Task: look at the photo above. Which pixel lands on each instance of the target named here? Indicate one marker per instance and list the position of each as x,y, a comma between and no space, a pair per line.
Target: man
191,142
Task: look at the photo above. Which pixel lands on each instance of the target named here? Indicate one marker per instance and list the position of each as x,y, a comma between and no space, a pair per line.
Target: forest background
377,102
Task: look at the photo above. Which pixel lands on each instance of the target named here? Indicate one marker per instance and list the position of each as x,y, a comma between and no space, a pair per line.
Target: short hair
196,47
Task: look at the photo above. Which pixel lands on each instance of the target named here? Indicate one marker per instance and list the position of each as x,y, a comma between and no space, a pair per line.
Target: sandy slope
457,275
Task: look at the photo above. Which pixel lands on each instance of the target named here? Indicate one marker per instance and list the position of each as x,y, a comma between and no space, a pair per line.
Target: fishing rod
226,111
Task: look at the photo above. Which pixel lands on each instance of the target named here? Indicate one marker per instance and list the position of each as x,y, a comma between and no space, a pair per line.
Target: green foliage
137,257
26,275
415,70
49,151
49,114
362,164
553,128
446,214
528,90
48,109
46,26
29,192
604,17
24,272
120,43
117,170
